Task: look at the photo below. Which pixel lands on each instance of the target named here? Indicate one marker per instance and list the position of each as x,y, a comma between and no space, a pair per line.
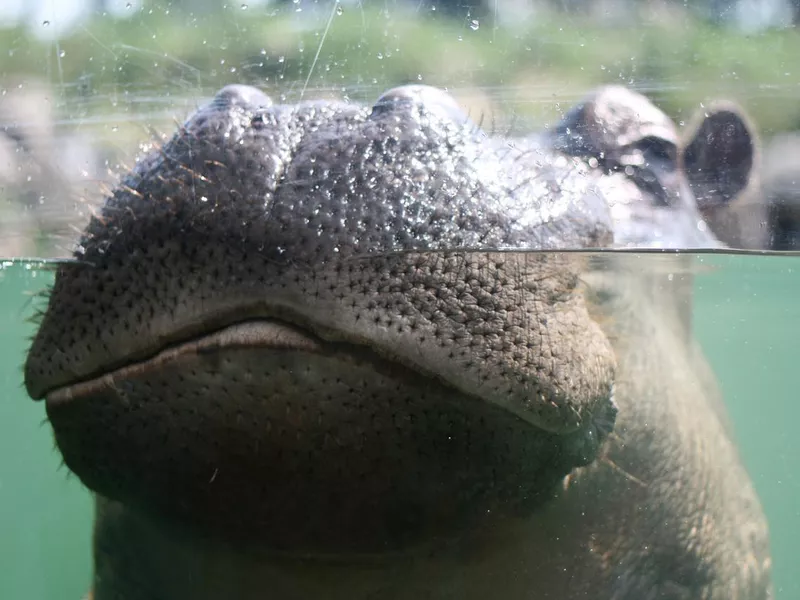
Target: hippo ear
719,156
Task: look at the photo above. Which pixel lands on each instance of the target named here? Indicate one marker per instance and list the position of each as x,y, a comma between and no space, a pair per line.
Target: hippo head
661,182
303,325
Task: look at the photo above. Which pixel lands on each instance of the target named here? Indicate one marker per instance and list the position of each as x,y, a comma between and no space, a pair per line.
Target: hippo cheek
263,432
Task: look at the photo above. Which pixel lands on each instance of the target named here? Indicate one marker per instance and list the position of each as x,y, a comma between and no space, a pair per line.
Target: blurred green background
530,62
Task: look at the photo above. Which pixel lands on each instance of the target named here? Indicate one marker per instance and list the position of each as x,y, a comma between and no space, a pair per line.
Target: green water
45,515
747,317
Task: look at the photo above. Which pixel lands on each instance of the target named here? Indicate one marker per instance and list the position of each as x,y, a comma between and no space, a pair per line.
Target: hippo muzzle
285,326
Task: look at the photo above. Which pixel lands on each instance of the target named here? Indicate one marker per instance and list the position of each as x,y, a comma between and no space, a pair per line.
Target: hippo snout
283,327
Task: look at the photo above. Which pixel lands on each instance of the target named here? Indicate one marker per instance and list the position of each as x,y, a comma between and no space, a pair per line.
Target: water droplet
474,25
128,5
339,9
62,54
281,59
379,56
243,7
45,23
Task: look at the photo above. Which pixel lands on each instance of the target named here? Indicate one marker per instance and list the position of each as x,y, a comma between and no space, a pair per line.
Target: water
45,515
746,318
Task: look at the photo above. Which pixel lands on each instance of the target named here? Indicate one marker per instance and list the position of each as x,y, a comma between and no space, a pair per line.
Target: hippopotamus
331,350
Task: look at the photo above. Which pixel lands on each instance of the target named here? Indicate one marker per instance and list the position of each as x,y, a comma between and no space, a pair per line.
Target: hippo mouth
252,334
264,430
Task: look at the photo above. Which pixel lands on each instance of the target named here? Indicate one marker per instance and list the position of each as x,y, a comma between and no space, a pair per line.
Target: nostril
242,96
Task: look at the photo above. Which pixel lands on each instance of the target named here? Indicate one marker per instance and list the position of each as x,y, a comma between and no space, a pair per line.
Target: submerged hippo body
287,369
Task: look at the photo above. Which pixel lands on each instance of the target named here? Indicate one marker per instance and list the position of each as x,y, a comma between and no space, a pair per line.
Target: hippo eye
655,149
258,121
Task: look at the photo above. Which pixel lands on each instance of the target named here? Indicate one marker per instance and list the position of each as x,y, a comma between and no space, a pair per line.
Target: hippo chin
297,357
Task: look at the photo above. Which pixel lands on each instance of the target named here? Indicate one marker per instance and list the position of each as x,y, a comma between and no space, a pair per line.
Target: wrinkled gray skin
270,404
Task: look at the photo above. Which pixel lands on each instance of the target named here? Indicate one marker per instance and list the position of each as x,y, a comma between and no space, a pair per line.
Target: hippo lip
264,333
256,333
281,465
279,328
